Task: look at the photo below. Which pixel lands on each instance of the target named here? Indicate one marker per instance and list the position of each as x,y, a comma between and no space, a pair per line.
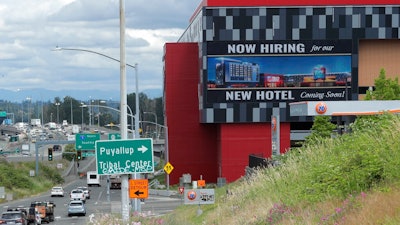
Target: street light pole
29,109
123,106
72,114
57,104
155,116
82,106
107,107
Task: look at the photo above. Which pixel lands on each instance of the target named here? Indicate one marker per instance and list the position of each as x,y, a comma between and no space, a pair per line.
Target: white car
86,191
77,194
57,191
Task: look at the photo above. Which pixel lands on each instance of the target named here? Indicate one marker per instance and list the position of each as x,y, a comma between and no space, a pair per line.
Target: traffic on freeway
102,201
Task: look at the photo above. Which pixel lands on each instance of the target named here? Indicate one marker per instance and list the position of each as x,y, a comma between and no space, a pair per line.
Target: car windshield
77,191
11,216
57,189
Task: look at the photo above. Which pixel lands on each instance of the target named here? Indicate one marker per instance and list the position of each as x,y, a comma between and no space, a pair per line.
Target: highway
101,202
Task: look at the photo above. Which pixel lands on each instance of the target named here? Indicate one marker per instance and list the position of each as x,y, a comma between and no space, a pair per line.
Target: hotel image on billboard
288,66
278,71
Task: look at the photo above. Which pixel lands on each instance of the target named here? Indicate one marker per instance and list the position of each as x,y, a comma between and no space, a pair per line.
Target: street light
136,79
123,104
29,109
72,114
117,110
155,116
82,106
58,118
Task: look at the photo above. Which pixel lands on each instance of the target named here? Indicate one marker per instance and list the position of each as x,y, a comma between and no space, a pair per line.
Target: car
86,191
14,217
57,148
77,194
76,207
57,191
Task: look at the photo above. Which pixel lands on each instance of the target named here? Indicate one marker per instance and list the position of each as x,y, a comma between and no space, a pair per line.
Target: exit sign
124,156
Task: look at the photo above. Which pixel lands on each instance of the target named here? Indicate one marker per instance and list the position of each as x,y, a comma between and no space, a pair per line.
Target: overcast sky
31,29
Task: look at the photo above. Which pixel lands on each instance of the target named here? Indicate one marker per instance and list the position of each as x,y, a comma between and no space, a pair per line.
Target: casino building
229,79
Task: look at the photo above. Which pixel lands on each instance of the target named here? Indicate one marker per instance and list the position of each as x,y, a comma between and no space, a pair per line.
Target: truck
75,129
36,122
92,178
45,209
31,215
115,181
52,125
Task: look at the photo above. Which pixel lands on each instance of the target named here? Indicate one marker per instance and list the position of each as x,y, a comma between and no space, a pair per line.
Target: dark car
13,217
57,148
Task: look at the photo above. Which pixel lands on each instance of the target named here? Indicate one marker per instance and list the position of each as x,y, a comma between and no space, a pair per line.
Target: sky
30,31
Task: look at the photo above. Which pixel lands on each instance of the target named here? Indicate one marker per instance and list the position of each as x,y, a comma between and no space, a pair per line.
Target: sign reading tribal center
124,156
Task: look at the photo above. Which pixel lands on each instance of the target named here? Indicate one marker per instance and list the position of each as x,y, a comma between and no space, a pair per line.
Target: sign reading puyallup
124,156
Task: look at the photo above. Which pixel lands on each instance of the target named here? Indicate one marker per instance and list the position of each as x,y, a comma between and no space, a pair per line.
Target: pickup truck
115,182
77,194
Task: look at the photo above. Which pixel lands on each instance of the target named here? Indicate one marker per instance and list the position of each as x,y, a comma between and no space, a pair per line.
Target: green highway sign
3,114
114,136
125,156
86,141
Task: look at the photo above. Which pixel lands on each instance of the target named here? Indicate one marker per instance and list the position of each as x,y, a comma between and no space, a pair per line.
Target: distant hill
49,95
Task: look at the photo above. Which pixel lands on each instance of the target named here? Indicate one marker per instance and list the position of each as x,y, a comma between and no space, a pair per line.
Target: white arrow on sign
142,149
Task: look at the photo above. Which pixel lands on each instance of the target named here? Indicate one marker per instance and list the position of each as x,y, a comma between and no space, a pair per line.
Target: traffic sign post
86,141
138,188
124,156
199,196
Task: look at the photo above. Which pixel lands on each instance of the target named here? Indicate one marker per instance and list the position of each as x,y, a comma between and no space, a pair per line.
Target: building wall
238,141
295,2
376,55
192,146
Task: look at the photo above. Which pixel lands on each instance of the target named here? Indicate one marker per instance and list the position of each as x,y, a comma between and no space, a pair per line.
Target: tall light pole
82,106
58,118
123,104
72,114
29,109
155,116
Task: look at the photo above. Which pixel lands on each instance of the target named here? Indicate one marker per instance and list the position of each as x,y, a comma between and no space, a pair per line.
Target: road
100,202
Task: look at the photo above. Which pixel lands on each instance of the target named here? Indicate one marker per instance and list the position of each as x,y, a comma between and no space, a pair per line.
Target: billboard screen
278,71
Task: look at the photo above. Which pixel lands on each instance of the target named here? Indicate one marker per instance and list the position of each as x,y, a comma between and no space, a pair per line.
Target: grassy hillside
15,178
351,179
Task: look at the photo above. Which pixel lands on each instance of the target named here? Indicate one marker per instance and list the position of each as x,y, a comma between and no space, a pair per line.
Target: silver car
76,207
13,217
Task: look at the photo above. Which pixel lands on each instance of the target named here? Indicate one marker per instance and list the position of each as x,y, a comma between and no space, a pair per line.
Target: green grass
350,179
15,178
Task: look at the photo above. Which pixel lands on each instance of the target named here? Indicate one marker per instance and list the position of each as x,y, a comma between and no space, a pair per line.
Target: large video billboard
278,71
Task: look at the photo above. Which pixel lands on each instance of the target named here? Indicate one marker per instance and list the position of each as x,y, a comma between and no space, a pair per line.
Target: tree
385,88
322,128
